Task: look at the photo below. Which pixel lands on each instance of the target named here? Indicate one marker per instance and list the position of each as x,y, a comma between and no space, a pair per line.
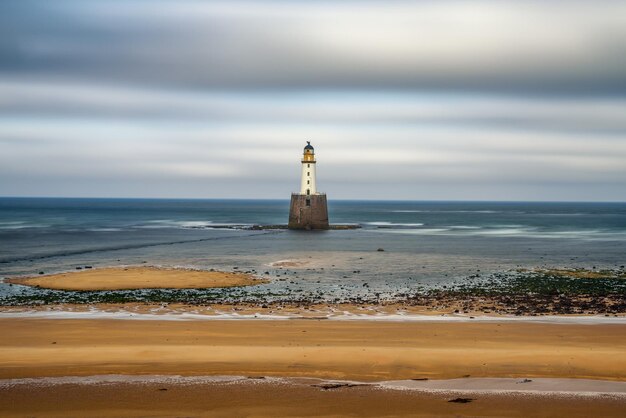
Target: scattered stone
419,379
462,400
163,389
380,250
327,386
525,381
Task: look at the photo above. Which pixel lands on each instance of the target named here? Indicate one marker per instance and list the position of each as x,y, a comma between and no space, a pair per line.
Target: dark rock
380,250
461,400
327,386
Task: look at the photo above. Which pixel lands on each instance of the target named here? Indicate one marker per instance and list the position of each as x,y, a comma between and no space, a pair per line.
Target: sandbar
127,278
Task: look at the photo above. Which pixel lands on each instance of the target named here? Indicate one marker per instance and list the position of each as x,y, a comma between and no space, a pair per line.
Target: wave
13,225
447,211
170,223
384,223
127,247
464,227
527,232
421,231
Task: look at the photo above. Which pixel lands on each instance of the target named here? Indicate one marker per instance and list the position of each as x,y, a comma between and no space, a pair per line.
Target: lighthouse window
308,166
308,173
308,191
308,202
308,182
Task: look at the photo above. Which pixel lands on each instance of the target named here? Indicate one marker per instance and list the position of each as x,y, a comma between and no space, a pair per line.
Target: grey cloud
404,100
75,100
568,47
398,156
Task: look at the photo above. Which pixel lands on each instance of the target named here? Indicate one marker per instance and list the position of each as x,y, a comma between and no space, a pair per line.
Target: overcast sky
507,100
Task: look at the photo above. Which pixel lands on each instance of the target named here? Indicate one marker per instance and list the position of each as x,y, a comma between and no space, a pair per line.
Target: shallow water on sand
425,243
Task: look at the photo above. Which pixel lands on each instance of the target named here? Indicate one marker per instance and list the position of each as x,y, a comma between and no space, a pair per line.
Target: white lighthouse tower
307,185
308,209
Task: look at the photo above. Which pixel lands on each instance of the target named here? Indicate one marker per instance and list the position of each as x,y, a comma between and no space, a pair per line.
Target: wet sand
126,278
354,350
268,398
386,312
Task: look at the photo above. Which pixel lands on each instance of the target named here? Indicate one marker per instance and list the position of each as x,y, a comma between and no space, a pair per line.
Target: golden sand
265,399
120,278
356,350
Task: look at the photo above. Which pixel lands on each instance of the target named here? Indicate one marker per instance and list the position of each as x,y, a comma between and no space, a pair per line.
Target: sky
407,100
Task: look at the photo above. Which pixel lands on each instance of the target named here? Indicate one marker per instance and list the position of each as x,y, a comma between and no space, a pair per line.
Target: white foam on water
464,227
385,223
421,231
126,315
94,313
446,211
170,223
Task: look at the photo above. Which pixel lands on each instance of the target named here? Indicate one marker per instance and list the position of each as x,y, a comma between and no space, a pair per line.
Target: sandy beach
126,278
434,356
354,351
158,396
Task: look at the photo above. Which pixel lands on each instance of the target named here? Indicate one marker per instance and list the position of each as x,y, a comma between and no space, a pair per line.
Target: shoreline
281,312
519,293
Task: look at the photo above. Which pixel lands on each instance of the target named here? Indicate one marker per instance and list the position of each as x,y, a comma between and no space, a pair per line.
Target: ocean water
425,243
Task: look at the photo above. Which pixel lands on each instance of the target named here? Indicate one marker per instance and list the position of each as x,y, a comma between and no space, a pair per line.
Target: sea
401,245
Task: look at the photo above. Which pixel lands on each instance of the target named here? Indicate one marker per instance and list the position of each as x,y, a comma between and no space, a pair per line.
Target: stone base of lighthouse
308,212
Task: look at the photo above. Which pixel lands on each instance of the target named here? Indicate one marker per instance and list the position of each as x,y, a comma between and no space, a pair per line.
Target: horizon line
336,199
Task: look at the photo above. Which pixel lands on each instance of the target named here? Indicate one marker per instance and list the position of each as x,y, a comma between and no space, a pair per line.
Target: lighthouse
308,209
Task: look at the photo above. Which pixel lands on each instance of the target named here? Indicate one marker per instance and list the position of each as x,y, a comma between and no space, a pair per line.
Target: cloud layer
404,100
